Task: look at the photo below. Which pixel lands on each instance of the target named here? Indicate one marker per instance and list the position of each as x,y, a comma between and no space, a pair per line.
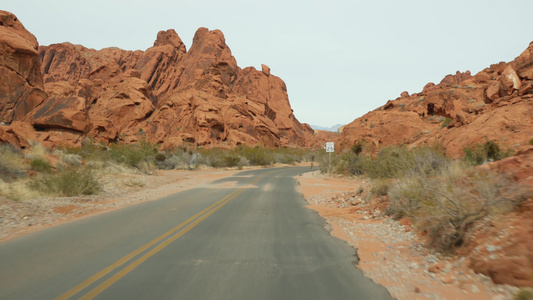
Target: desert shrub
381,187
72,182
40,165
524,294
36,150
448,204
289,156
531,141
398,162
16,190
72,160
231,159
349,163
357,147
480,153
257,156
169,163
329,162
213,157
90,151
140,156
159,157
243,162
446,122
12,164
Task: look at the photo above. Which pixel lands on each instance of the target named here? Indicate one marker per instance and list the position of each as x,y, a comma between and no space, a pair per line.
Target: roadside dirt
389,252
119,190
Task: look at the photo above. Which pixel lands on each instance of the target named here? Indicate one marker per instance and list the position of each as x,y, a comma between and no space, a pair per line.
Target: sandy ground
389,253
119,190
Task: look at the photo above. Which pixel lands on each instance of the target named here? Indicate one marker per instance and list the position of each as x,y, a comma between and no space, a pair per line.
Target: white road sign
330,147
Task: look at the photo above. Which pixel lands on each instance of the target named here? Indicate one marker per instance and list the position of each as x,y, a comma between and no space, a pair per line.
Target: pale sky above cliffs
339,58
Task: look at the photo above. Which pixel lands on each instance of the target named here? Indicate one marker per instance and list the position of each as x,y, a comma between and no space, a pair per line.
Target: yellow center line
206,213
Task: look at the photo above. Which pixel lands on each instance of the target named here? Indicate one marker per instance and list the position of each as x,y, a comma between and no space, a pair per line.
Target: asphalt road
251,239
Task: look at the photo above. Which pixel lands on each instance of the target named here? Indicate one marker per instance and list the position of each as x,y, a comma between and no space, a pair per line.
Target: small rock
491,248
436,268
474,289
447,279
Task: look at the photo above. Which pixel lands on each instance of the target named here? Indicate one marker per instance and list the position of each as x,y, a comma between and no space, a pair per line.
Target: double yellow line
187,225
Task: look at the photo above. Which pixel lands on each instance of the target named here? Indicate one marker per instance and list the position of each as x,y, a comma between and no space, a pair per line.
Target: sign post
330,148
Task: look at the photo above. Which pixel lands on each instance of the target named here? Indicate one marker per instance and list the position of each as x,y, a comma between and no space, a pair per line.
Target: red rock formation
509,259
21,84
494,104
166,94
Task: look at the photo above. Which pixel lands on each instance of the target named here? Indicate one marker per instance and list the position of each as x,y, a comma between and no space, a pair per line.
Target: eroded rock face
508,259
166,94
495,104
21,84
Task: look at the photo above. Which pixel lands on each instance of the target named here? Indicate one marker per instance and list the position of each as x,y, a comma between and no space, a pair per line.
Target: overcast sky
339,58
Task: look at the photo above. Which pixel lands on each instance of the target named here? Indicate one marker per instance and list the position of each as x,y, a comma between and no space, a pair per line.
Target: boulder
510,80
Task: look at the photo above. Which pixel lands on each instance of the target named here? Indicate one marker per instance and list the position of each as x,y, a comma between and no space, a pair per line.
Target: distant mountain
332,128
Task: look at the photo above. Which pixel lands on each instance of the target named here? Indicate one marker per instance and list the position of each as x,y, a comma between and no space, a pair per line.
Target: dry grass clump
71,182
17,190
446,205
12,163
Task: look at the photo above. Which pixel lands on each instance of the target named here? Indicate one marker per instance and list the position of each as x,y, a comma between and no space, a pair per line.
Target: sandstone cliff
21,84
495,104
166,94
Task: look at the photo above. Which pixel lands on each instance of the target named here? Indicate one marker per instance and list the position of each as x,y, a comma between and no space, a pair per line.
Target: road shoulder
389,252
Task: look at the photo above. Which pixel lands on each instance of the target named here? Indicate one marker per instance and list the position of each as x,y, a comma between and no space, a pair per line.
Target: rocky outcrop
495,104
166,94
508,258
21,84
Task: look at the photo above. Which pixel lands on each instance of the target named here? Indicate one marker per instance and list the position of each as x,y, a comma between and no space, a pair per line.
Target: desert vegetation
38,171
443,197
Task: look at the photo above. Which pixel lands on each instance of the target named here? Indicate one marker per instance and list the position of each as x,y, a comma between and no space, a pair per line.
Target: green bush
524,294
399,162
349,163
446,122
138,156
232,159
72,182
531,141
40,165
481,153
257,156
